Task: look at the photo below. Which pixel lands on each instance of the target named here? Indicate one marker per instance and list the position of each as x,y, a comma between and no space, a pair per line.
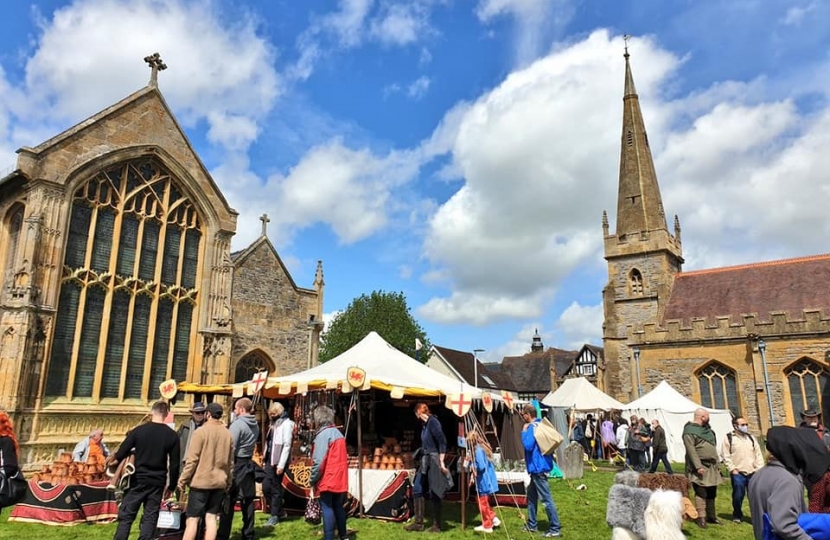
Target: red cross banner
257,383
507,397
168,389
487,401
459,403
356,377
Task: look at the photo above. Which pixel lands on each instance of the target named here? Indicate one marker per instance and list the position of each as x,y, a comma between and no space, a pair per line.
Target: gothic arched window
250,364
14,230
635,283
809,386
128,296
718,387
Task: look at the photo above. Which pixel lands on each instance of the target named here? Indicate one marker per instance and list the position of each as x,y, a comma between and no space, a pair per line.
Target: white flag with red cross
459,403
257,383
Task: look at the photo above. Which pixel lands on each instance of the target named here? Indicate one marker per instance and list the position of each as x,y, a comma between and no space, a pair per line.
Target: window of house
809,384
635,283
719,388
128,292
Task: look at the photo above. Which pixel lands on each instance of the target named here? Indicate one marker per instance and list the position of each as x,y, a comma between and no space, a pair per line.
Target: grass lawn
582,514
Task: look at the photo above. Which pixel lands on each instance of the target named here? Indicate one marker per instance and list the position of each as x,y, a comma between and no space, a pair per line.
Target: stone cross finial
156,64
265,221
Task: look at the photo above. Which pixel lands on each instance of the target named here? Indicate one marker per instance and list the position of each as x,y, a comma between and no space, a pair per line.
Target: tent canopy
673,410
386,369
581,395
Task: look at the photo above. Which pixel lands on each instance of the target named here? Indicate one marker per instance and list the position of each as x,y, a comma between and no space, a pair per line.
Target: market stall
371,387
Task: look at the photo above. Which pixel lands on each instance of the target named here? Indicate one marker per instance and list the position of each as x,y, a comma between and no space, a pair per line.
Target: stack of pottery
66,471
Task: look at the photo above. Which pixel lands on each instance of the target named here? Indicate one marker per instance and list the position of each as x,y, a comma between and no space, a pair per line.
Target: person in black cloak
776,491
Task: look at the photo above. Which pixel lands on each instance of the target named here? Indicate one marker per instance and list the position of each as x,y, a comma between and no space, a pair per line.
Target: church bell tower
643,257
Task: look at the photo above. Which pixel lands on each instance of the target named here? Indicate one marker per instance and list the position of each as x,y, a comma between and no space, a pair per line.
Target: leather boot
418,524
700,506
436,515
711,513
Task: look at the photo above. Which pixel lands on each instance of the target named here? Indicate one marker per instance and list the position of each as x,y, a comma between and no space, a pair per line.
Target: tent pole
359,453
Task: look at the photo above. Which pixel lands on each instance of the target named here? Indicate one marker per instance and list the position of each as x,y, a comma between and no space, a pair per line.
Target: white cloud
418,88
796,14
328,318
357,22
228,75
425,57
535,20
579,325
351,190
536,154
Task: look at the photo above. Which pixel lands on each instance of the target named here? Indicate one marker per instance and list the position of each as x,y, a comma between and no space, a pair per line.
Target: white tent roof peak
579,394
664,396
385,367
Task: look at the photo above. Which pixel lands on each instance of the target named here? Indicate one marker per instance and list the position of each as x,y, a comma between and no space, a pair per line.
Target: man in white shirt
622,437
741,454
277,455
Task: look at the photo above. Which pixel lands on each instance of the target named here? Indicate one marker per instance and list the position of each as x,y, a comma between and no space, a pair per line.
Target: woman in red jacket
330,472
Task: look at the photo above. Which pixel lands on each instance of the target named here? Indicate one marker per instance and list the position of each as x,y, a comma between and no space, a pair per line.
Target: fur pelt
627,478
664,516
673,482
626,508
689,510
621,533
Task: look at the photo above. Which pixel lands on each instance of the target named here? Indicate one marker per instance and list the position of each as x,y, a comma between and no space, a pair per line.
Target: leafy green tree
384,312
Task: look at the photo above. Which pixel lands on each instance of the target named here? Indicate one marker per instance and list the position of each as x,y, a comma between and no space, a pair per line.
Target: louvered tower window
635,283
809,386
128,293
719,388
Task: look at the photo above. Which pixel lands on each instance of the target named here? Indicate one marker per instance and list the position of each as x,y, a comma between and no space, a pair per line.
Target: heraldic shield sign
487,401
459,403
356,377
168,389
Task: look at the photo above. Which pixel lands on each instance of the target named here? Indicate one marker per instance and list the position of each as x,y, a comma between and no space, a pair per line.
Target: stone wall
269,312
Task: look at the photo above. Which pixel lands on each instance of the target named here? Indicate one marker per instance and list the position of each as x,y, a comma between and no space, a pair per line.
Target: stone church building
754,339
118,274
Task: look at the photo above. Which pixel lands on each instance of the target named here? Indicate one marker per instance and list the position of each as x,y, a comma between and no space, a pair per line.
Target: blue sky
460,151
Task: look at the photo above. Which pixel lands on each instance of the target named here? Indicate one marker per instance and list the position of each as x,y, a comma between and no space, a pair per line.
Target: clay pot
396,449
378,452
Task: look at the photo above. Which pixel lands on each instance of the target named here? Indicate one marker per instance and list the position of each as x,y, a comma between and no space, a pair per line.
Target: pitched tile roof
531,372
789,285
462,362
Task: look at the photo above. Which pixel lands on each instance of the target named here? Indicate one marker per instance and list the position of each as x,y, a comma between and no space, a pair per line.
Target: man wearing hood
776,491
702,466
244,432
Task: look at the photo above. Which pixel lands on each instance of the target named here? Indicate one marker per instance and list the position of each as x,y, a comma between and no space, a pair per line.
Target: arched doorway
253,362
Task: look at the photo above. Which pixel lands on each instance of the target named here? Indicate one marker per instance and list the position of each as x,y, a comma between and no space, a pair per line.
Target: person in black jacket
659,447
157,459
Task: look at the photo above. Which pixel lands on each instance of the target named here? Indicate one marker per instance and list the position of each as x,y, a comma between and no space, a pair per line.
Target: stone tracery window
635,282
128,291
809,385
14,230
718,387
250,364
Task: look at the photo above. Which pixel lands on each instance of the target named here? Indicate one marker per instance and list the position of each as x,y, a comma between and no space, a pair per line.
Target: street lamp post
637,364
762,348
475,366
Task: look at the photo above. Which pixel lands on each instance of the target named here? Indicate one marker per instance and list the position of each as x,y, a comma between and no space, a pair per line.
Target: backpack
729,438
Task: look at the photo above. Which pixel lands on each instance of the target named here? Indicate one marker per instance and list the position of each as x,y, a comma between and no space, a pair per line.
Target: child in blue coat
484,474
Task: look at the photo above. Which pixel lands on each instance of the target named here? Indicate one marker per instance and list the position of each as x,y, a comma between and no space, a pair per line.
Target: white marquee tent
386,368
580,395
673,410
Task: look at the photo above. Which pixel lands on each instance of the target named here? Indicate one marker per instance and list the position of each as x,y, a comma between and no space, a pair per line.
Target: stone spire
639,205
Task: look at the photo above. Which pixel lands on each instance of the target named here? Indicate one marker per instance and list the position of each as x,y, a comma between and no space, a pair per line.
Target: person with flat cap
185,431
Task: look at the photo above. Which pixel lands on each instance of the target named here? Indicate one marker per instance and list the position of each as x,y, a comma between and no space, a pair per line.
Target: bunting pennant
284,388
396,392
238,390
487,401
302,388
